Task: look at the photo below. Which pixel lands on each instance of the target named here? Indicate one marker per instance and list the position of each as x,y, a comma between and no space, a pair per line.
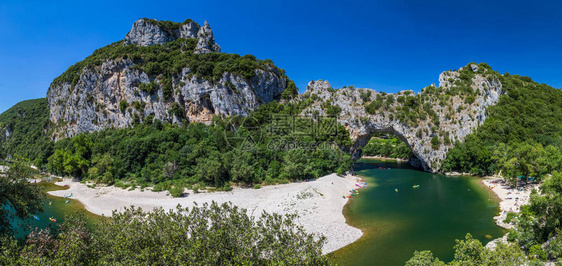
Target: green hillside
521,136
23,130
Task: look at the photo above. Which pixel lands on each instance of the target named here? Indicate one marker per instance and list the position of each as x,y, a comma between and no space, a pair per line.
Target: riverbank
384,158
319,203
511,199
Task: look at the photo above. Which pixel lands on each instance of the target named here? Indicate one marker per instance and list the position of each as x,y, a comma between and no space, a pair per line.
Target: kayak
36,218
66,202
52,219
68,196
416,186
396,189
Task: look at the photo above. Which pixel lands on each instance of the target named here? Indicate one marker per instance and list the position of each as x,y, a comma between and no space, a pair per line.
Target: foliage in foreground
471,252
538,225
17,197
208,235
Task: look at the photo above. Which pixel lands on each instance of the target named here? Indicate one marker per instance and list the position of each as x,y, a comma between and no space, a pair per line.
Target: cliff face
147,32
429,122
121,89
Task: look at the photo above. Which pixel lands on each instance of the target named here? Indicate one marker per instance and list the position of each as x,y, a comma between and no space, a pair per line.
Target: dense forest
23,130
218,235
521,135
170,157
387,145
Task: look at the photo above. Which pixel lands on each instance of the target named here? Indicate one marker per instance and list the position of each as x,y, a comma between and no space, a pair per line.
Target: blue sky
383,45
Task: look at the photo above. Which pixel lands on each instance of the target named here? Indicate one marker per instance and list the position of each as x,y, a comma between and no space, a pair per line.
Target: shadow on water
429,217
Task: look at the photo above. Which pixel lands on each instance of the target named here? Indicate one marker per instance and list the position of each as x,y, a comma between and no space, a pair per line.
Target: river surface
430,217
54,207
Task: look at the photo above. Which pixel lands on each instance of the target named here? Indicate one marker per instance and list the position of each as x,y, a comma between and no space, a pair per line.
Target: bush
123,104
176,192
212,234
435,143
366,96
257,186
149,88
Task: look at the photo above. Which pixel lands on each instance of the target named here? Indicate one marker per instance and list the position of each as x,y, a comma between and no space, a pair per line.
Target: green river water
395,224
430,217
57,210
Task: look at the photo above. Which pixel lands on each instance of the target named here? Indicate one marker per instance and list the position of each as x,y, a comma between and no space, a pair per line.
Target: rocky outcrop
117,92
449,115
206,42
109,96
147,32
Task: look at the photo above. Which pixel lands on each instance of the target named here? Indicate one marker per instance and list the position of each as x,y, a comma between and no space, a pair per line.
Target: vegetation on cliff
196,156
521,136
169,59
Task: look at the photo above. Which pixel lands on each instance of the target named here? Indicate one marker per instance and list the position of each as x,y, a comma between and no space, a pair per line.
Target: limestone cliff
147,32
429,122
162,70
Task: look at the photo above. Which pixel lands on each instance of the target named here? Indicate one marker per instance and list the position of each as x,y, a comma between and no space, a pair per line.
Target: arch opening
387,143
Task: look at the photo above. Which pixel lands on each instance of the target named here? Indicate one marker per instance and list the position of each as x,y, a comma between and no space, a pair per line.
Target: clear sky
383,45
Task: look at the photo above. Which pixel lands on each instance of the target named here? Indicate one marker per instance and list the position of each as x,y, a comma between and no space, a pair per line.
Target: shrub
366,96
176,192
149,88
435,143
123,104
176,110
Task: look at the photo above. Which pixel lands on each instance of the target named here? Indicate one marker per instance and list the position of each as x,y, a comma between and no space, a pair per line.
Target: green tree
424,258
18,198
547,206
204,235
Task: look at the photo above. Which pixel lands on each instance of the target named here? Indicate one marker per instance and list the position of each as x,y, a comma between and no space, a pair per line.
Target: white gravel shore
318,203
511,199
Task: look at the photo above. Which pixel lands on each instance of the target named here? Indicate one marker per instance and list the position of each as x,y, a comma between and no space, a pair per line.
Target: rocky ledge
430,122
126,82
147,32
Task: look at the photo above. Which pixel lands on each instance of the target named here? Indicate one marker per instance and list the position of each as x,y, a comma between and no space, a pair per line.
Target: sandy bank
318,203
511,199
384,158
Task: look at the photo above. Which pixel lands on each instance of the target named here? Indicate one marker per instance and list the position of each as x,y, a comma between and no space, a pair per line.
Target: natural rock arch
446,113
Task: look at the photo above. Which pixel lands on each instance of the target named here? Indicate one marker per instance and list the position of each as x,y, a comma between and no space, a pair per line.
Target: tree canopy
521,135
17,197
203,235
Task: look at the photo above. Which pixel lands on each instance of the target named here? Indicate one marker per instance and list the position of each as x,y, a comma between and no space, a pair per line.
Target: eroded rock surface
442,112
